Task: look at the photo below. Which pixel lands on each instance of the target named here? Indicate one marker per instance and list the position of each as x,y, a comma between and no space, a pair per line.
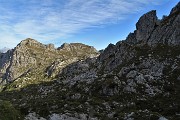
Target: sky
93,22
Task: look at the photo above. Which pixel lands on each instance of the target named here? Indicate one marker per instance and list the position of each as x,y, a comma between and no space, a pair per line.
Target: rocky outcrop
31,54
77,48
149,32
152,31
168,30
145,26
5,59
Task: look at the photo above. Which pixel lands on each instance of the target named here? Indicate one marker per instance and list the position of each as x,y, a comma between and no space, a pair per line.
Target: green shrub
8,112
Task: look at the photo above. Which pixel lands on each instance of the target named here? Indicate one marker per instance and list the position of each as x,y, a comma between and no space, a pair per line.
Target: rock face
150,32
146,25
32,55
137,78
168,30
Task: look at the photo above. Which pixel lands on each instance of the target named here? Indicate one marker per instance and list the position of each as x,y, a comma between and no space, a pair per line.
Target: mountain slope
137,78
37,60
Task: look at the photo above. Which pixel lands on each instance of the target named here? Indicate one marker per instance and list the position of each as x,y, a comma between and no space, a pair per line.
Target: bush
8,112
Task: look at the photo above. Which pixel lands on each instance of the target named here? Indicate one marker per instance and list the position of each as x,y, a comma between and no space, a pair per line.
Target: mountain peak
145,25
64,45
30,42
71,46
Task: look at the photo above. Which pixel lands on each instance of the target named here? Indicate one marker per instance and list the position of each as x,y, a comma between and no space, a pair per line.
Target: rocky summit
135,79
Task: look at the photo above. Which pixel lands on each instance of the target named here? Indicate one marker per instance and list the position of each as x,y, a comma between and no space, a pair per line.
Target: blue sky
93,22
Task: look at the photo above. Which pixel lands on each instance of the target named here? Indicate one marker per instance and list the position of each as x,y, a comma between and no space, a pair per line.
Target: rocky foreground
138,78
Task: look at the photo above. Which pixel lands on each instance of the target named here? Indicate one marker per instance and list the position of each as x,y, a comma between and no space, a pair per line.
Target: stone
131,39
132,74
30,53
145,26
168,30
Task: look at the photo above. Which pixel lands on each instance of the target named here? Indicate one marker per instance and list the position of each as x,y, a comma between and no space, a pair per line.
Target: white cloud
53,19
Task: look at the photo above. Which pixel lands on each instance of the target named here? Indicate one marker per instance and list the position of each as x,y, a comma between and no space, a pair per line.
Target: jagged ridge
31,55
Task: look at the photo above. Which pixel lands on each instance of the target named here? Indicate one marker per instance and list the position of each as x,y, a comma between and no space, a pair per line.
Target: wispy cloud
48,20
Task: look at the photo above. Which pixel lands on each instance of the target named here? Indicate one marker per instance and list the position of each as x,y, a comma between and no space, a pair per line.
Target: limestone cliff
32,56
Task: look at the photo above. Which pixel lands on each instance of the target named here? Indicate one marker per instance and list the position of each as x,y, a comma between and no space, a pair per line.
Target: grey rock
140,79
31,54
132,74
131,39
168,30
146,25
178,78
108,52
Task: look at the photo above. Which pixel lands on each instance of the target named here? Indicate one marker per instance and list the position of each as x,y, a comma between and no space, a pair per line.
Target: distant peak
73,45
64,45
4,50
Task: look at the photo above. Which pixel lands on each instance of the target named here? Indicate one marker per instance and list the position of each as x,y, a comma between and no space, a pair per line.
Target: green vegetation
8,112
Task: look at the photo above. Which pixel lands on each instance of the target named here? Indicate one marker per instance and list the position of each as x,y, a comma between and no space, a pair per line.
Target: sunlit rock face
30,54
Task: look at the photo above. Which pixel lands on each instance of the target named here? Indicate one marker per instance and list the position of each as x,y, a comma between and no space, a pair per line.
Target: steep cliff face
168,30
137,78
145,26
32,56
4,64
